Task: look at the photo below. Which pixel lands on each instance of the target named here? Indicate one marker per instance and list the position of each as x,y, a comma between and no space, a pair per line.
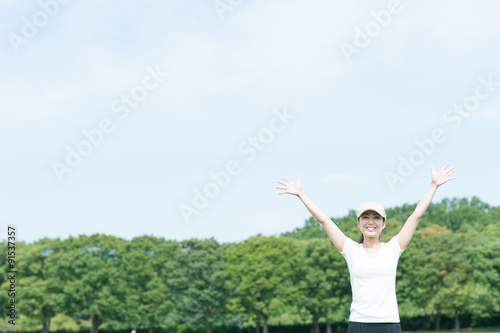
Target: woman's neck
371,243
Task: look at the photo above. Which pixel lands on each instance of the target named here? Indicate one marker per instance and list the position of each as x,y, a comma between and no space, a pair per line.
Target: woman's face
371,224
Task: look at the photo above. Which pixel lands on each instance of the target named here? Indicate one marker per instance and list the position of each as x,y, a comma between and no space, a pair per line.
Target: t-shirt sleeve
348,245
394,246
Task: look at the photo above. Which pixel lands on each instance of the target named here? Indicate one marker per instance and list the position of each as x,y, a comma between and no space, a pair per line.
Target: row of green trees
451,269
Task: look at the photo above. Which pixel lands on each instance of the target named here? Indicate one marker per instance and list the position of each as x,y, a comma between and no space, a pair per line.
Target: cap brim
374,210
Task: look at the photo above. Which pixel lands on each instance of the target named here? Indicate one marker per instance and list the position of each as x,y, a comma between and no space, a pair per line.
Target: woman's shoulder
394,244
348,245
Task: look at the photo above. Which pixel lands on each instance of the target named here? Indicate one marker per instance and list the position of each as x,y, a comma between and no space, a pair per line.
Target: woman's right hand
290,187
336,235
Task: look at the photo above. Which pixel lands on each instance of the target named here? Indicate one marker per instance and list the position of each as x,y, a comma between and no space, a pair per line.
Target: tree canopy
448,276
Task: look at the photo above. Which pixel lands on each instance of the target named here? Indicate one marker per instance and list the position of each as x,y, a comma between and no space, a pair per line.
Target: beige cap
375,206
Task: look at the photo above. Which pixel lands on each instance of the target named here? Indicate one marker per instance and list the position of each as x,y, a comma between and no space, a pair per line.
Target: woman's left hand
442,176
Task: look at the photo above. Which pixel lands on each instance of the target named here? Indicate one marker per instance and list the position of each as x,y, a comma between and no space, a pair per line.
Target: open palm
442,176
290,187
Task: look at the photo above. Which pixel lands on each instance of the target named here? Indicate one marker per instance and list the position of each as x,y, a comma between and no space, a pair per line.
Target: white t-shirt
373,281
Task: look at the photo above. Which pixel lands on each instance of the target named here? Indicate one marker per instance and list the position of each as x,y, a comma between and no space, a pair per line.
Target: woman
372,264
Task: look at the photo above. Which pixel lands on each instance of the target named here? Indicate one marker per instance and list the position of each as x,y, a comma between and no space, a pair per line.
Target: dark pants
355,327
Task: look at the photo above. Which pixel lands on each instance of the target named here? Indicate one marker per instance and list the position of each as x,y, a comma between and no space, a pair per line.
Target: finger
288,180
283,192
281,183
449,173
445,166
450,169
281,188
452,178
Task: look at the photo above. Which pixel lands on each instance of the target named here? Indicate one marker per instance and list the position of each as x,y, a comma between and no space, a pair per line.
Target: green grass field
479,330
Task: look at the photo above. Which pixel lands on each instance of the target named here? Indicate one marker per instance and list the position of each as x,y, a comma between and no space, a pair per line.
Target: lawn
478,330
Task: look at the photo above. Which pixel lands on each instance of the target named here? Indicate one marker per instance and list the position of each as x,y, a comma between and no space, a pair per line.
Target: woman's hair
362,238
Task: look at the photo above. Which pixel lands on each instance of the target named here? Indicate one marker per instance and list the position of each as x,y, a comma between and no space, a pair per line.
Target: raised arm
438,179
336,235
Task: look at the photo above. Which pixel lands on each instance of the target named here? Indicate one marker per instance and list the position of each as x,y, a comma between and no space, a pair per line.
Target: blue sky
358,97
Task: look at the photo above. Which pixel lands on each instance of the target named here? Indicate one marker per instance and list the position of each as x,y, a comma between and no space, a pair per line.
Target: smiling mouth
371,228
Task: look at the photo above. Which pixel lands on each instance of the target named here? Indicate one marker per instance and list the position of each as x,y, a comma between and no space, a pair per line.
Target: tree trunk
328,327
457,322
151,326
209,328
438,321
45,328
316,324
95,323
266,329
257,326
